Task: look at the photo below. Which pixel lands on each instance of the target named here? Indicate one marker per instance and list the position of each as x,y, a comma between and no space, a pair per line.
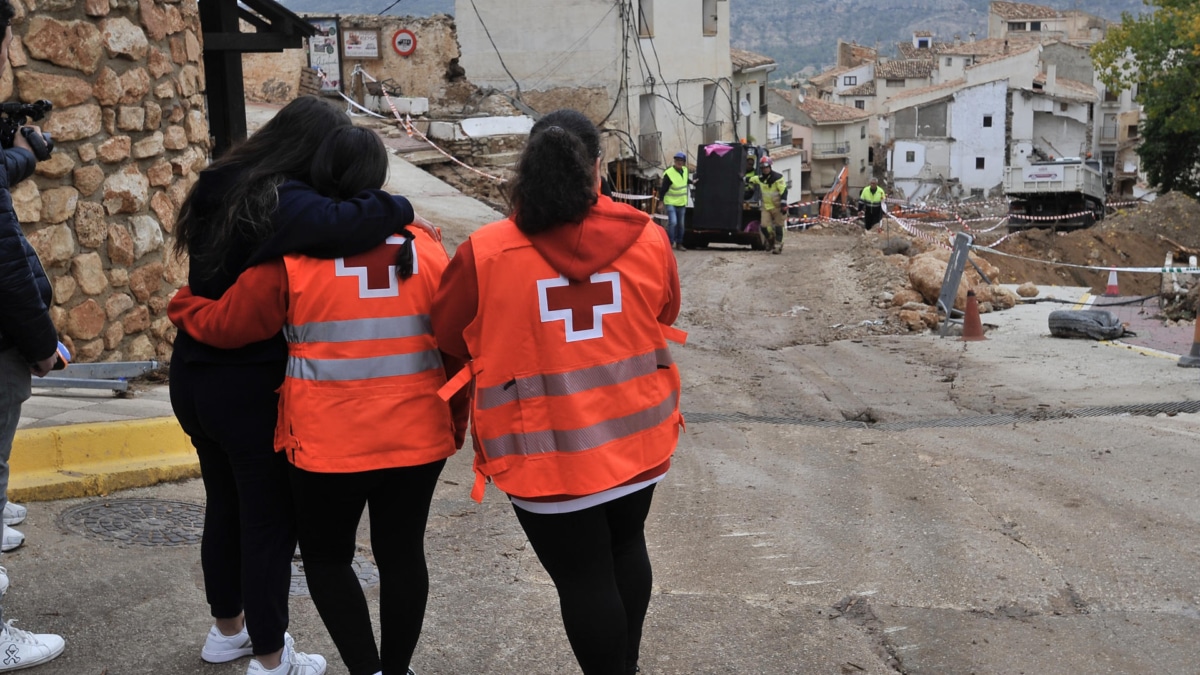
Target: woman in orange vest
564,309
360,353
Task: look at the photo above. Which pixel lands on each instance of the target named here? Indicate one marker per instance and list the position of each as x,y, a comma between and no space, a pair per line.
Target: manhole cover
364,569
143,522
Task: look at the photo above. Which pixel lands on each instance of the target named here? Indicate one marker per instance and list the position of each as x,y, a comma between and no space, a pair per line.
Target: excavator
838,194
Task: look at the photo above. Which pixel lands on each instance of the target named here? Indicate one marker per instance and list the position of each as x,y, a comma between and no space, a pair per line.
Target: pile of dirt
1140,236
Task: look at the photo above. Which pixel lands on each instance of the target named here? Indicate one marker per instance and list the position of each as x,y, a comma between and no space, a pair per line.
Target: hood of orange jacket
580,250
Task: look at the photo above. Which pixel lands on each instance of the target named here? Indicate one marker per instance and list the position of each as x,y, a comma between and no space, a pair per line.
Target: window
910,156
1111,96
1063,107
1132,131
862,131
978,162
949,61
895,82
646,18
860,104
762,99
987,120
922,43
849,80
1016,25
976,192
708,19
1035,25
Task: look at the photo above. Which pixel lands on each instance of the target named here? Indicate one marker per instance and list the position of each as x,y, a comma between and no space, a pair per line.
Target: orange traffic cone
1192,360
972,326
1112,291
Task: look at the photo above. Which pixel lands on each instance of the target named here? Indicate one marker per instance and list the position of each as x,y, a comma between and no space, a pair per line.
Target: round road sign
404,42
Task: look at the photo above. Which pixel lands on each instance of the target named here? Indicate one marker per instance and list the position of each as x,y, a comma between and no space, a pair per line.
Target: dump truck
720,211
1064,193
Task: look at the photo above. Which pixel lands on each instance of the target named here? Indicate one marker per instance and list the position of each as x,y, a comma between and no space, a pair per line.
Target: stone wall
125,78
429,71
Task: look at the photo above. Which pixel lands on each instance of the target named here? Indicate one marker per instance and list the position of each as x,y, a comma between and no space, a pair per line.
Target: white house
656,74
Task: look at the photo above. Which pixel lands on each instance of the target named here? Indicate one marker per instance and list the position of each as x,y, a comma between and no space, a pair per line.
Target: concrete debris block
1027,290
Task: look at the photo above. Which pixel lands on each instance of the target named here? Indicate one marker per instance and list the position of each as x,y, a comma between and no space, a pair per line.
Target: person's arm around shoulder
310,223
253,309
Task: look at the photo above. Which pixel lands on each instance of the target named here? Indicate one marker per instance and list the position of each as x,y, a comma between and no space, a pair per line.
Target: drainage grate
1143,409
140,522
365,571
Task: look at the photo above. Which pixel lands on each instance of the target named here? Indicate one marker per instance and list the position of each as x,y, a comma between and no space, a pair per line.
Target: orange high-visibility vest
575,388
363,366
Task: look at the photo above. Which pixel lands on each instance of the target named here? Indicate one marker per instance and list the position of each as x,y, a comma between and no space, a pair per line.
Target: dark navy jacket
305,222
25,293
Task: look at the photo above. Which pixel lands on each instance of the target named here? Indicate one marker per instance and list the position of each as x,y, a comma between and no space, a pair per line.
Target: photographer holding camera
28,344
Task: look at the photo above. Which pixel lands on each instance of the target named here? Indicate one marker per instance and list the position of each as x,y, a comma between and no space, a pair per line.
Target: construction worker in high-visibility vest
772,219
675,197
870,202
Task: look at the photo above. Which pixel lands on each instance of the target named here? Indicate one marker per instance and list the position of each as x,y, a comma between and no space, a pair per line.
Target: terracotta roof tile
865,89
827,78
824,111
743,59
985,47
904,68
1023,10
922,33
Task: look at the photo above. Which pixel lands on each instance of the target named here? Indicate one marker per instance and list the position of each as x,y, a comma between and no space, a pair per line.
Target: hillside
798,35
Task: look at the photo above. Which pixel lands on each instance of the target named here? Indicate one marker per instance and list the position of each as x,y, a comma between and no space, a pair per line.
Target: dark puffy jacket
25,293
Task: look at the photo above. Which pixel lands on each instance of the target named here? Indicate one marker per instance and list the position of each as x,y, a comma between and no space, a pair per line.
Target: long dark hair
555,183
282,149
7,12
352,159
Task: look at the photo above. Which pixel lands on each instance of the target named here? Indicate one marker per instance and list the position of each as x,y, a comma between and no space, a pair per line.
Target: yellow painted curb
83,460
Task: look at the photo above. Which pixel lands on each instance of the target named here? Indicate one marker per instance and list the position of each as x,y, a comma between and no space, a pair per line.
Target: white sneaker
22,649
14,514
219,648
12,539
292,663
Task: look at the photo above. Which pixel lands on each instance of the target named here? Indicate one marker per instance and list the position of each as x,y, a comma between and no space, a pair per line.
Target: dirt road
823,520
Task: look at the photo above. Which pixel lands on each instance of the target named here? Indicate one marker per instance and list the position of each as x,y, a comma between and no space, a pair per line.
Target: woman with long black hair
361,356
564,309
256,203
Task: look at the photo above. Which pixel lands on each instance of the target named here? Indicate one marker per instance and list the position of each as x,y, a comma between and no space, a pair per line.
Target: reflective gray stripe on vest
338,370
359,329
578,440
565,384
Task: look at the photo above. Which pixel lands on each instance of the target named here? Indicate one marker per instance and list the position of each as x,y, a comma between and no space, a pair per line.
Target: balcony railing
831,149
650,149
1108,133
712,132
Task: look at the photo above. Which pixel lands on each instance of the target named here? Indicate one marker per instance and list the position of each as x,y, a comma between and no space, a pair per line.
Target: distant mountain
798,35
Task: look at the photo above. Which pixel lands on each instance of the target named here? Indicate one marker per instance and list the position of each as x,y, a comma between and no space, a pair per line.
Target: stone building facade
431,71
126,80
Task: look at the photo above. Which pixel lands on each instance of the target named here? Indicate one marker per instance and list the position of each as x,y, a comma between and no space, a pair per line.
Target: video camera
14,115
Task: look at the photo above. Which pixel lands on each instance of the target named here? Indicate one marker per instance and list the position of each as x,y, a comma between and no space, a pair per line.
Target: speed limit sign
404,42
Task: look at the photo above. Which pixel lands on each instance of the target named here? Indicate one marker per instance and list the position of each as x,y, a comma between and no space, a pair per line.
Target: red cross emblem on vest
376,269
581,306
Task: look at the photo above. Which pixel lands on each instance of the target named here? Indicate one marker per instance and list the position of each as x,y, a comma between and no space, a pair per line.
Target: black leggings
249,527
328,509
598,560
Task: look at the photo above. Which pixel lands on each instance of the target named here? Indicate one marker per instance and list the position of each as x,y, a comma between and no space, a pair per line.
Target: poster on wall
323,54
360,44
